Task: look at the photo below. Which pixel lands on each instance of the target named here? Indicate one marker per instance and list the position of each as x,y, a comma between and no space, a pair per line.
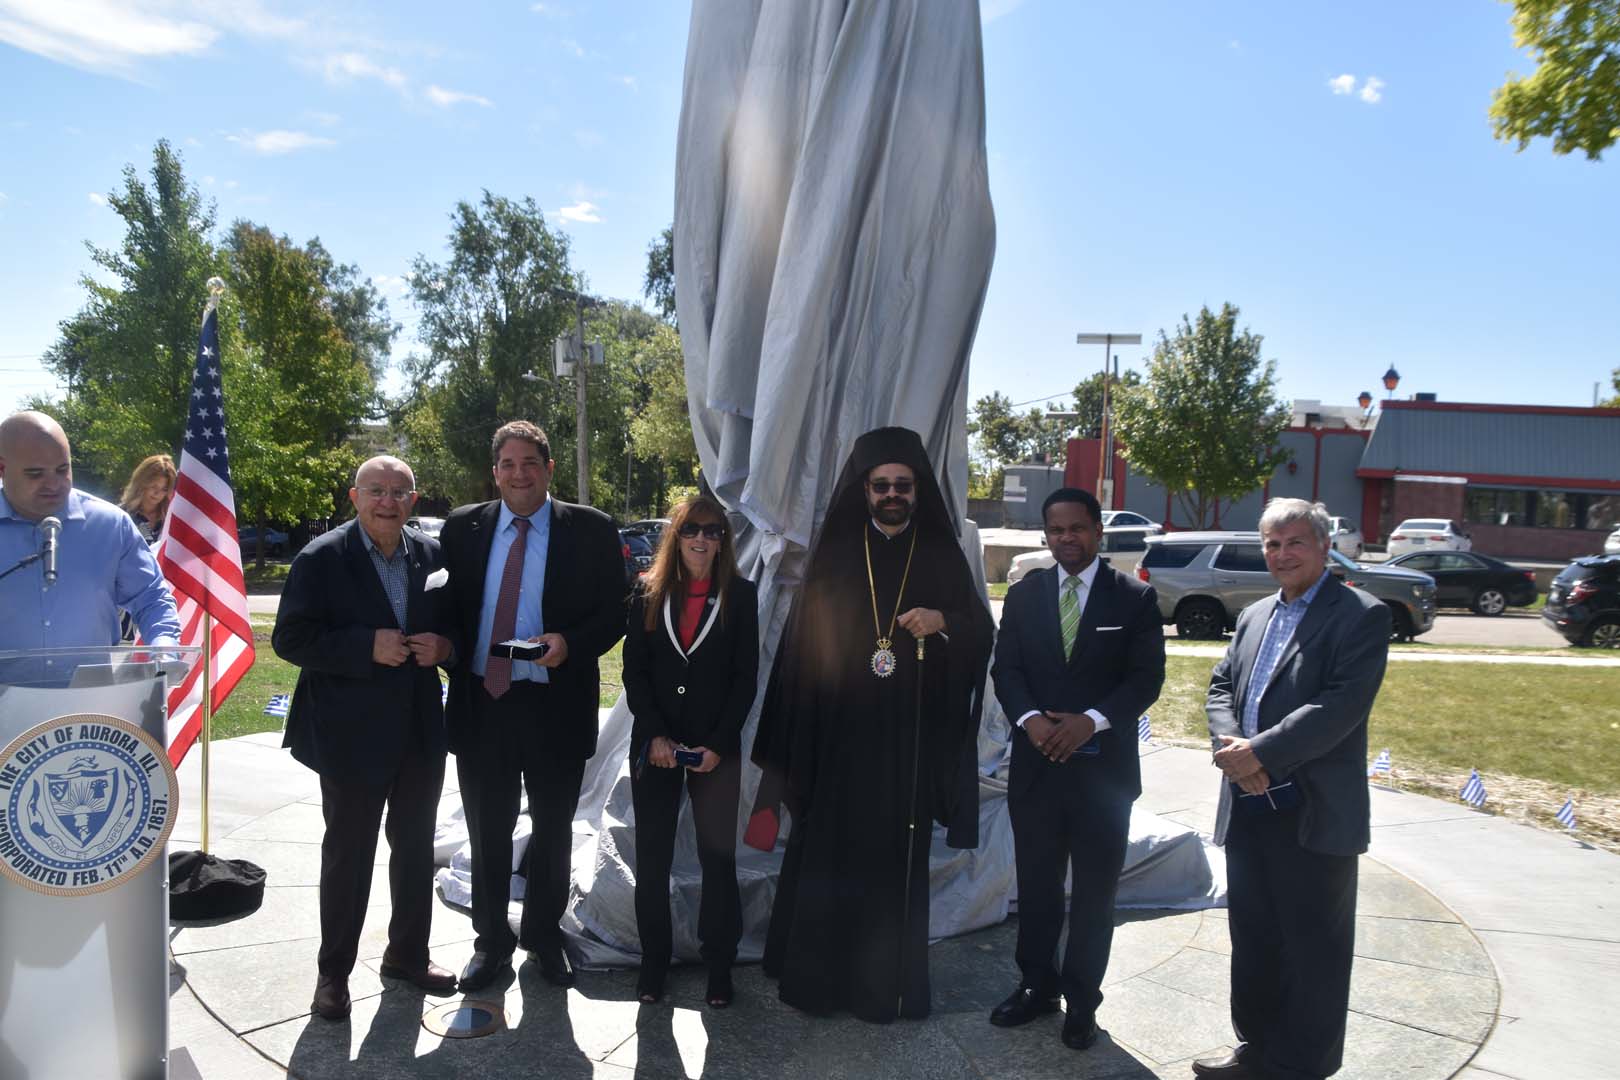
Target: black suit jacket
1313,715
351,717
1117,668
699,698
583,600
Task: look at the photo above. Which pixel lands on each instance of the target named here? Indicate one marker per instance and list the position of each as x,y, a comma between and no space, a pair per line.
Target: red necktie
498,669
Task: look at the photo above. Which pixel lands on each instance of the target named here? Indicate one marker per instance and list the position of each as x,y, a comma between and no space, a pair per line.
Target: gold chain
884,639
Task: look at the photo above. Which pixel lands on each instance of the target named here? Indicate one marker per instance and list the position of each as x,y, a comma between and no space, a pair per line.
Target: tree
1088,400
1573,96
1000,434
658,285
662,428
358,309
1205,423
1614,379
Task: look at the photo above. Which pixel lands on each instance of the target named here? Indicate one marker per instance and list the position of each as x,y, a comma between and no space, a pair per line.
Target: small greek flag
279,704
1473,792
1566,814
1380,765
1144,729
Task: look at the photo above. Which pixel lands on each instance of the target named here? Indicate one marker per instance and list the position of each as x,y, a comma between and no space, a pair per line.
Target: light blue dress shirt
530,622
1285,619
102,565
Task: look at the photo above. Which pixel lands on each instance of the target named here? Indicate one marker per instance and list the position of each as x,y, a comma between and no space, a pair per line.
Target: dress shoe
1226,1067
482,970
555,967
720,990
1023,1006
650,985
1080,1030
331,997
430,978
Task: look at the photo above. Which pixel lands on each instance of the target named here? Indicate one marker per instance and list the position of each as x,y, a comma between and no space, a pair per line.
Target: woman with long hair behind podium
691,667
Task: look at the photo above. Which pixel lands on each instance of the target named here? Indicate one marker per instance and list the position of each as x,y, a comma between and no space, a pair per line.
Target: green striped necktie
1069,612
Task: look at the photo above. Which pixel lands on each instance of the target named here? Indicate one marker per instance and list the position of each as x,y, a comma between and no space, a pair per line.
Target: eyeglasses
378,493
690,531
901,487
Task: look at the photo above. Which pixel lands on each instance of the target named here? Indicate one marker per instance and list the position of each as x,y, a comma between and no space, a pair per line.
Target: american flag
279,705
1566,814
1473,792
198,553
1144,729
1380,765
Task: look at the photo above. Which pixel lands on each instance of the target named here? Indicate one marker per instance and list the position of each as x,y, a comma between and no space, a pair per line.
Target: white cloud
574,47
550,11
583,212
1372,90
444,99
580,193
991,10
98,198
325,119
208,181
629,81
278,142
1343,84
3,196
232,185
107,36
341,67
392,285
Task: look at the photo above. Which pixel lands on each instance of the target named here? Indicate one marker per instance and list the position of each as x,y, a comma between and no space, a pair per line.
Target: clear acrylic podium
85,811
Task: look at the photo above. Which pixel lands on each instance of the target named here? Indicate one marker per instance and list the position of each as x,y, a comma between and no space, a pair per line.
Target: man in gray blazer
1288,707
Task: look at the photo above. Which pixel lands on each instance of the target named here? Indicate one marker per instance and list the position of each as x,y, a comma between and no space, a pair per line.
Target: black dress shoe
1080,1030
1227,1067
331,997
720,990
430,978
650,985
1024,1006
482,970
554,965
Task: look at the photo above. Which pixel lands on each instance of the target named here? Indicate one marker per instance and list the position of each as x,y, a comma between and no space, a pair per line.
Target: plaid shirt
395,572
1285,619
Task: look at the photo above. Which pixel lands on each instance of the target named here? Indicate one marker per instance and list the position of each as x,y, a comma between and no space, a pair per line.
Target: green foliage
984,481
658,285
1573,97
1088,400
1005,437
1205,423
1614,380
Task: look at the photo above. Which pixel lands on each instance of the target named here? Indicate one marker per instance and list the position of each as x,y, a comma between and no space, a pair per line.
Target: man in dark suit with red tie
1079,657
363,616
526,567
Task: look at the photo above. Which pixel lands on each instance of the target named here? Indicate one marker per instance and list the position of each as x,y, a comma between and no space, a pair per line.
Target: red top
691,617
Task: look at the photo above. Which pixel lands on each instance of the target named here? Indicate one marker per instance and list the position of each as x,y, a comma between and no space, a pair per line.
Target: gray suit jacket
1313,715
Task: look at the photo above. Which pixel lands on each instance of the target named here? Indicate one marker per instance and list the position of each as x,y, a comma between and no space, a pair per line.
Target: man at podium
70,561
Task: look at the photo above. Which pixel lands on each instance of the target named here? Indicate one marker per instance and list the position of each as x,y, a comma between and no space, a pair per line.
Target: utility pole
582,446
1105,454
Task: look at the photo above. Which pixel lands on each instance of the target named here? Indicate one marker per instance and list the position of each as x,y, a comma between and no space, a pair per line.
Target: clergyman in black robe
867,731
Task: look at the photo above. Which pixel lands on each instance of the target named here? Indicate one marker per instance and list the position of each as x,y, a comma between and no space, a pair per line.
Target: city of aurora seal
88,801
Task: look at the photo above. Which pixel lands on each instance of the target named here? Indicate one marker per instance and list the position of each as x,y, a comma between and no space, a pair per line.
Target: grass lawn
268,580
1560,725
998,590
243,711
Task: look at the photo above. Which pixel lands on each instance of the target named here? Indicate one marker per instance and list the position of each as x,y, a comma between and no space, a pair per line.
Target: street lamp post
1392,379
1105,466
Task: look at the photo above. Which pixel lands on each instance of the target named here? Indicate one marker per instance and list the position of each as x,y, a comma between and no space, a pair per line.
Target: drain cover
466,1019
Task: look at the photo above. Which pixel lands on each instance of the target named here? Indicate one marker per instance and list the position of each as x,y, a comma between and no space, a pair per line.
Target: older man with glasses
364,616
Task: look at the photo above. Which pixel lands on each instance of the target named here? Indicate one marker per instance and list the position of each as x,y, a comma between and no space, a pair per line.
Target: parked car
653,527
1121,545
1114,518
1466,579
1428,534
638,554
1204,579
429,525
1584,602
1611,546
1347,539
275,541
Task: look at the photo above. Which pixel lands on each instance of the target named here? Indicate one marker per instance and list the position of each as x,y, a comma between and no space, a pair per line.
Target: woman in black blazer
691,667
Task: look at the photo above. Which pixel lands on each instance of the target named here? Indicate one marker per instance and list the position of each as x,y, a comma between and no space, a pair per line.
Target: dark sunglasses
690,531
901,487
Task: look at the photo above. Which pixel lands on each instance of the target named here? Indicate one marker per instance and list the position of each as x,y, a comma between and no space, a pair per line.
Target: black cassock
870,763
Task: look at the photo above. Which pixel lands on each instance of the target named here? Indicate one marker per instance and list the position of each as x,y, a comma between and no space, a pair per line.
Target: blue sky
1328,168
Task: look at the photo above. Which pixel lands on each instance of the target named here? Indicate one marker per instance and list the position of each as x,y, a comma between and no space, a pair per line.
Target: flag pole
216,289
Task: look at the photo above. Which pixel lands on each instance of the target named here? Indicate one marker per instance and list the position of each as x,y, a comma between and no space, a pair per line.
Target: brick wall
1414,499
1524,542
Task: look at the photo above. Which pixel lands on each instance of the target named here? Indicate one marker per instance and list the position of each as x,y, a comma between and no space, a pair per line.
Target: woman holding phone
691,666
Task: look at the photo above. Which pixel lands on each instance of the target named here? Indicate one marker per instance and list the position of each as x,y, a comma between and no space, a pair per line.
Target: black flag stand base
206,888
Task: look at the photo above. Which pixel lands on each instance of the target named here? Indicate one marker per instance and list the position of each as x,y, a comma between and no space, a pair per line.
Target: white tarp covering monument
833,241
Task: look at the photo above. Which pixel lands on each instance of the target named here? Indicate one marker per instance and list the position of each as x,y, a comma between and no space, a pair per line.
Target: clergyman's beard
892,512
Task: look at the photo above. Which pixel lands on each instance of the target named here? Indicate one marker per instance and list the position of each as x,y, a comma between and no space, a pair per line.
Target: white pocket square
436,580
1103,629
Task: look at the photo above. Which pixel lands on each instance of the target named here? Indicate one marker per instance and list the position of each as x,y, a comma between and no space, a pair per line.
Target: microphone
52,528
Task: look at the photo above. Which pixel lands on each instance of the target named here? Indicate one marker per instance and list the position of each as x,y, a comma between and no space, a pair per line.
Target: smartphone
692,758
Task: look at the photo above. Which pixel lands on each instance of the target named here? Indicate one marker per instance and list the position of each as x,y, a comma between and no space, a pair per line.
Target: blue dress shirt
530,622
103,566
1285,619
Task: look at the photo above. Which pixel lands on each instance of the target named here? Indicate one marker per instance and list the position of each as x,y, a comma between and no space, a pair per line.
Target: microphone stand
26,560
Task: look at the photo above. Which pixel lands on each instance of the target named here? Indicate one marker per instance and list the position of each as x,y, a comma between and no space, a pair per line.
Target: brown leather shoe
1227,1067
432,979
331,997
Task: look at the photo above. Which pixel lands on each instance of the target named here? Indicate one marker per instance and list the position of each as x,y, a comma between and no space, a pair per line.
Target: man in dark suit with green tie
1079,658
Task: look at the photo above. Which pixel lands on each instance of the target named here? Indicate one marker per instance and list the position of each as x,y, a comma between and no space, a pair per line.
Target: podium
87,800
